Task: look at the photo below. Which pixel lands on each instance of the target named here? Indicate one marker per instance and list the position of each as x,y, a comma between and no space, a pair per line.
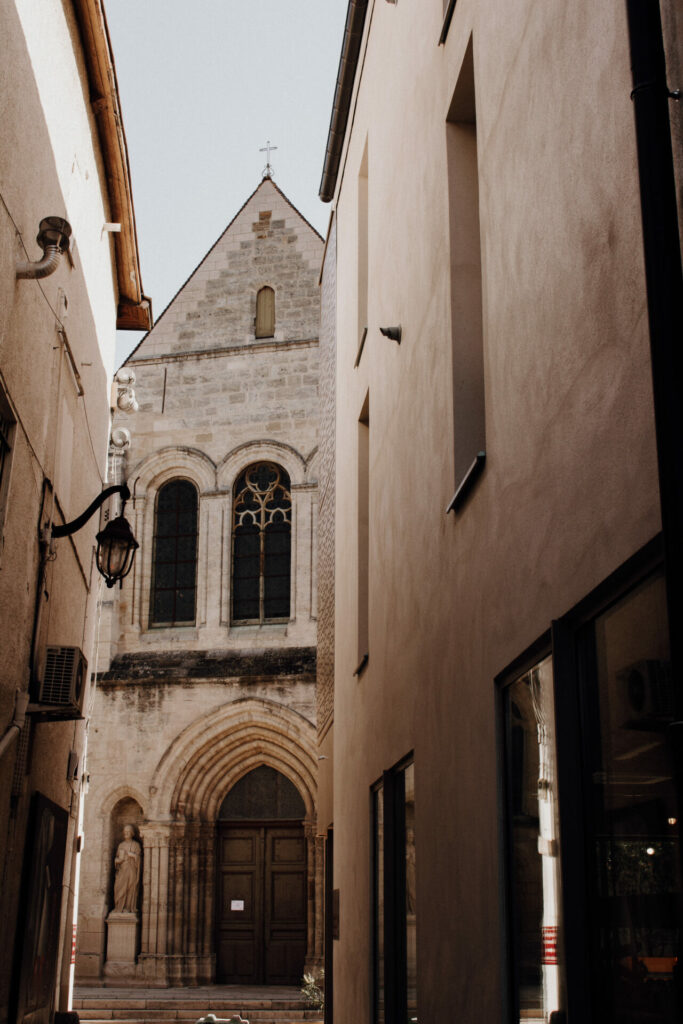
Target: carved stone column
152,963
206,948
188,946
319,900
303,541
210,568
314,927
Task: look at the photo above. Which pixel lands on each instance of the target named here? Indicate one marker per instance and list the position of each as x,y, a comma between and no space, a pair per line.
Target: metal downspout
664,282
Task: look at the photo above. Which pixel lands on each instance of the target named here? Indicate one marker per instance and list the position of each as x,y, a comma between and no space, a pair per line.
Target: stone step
254,1017
266,1018
112,1003
175,1015
258,1014
257,1004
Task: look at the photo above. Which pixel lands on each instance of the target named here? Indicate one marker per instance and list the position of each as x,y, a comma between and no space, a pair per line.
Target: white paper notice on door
237,904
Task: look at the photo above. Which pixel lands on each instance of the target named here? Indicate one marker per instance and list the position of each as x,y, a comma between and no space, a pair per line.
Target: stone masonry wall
326,518
212,399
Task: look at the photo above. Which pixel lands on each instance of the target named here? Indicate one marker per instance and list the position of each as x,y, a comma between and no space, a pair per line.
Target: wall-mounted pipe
664,282
53,238
17,724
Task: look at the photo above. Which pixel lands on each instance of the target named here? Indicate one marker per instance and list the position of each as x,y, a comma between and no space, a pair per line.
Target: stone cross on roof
267,170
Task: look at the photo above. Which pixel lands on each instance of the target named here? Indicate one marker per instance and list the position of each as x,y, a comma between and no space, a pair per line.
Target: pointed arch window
174,569
265,313
261,544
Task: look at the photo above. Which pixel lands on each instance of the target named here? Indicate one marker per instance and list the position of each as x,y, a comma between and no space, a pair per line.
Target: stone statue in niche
127,867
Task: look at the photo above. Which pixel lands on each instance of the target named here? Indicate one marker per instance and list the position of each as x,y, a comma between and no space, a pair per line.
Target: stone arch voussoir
169,464
114,796
211,755
261,451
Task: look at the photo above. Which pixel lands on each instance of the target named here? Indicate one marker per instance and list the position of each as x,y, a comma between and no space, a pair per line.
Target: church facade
203,734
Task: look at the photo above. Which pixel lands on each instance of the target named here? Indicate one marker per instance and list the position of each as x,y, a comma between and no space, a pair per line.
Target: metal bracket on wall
393,333
467,483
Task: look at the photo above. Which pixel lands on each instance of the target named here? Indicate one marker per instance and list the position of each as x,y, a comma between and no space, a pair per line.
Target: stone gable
267,243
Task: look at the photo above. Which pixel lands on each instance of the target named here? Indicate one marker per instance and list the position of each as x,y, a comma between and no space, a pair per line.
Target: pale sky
203,85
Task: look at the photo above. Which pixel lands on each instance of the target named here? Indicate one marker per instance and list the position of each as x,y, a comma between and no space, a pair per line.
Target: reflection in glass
535,862
410,893
637,929
378,901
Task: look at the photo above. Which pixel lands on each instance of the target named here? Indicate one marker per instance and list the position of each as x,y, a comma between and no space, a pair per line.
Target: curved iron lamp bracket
68,528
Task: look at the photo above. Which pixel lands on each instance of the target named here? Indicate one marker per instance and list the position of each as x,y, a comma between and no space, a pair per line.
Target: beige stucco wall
570,488
50,164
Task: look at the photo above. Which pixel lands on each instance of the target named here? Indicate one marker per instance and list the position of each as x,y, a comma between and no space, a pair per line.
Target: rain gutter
348,63
134,310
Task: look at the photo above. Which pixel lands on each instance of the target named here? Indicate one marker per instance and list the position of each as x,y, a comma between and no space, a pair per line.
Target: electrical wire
62,328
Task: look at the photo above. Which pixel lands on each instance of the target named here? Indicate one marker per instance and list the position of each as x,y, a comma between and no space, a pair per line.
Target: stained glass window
261,547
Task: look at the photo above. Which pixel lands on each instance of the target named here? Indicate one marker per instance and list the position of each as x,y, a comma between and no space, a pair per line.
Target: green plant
313,988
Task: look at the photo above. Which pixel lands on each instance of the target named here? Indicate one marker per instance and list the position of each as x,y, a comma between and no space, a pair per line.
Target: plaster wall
570,487
50,164
54,51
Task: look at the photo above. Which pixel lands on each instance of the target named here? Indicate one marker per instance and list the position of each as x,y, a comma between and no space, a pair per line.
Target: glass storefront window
637,898
410,894
378,887
536,917
394,897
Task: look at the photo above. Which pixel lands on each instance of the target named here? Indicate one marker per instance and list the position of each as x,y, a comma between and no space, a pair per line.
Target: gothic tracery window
265,313
261,545
174,571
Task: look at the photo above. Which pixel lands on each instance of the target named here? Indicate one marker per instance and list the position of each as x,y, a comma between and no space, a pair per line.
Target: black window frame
535,654
159,623
569,641
391,790
7,429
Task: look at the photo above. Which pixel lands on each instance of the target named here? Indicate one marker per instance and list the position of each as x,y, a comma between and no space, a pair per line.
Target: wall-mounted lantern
116,545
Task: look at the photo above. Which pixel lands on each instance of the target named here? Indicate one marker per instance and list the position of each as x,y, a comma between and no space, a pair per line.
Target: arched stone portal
180,835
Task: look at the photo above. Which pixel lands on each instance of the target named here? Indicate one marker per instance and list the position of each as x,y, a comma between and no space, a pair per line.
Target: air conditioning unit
62,686
646,694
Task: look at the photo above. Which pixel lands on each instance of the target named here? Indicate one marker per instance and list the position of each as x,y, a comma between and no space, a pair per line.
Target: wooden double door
261,913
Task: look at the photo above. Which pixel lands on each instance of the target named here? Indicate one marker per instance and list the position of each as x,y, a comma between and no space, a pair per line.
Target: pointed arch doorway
261,899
